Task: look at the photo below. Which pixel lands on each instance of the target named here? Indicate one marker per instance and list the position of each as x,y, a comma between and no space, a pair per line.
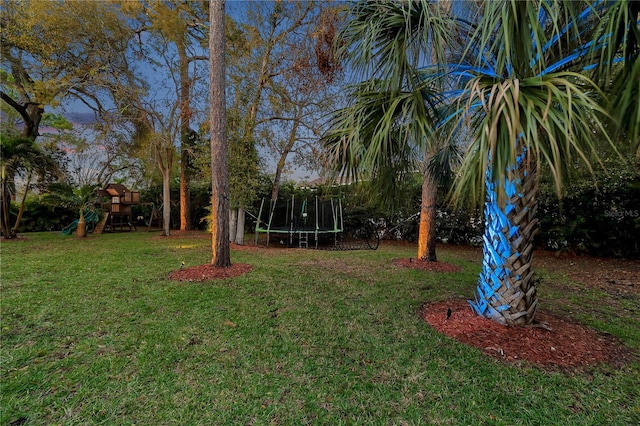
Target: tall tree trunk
220,249
427,229
275,188
506,292
14,230
283,157
185,130
233,223
185,196
428,201
240,226
166,202
165,164
31,128
5,199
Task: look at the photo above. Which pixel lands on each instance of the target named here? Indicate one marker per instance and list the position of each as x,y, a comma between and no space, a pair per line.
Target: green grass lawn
94,333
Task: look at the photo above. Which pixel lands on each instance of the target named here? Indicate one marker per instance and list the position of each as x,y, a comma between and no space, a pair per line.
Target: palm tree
527,89
392,112
84,199
616,66
527,94
18,155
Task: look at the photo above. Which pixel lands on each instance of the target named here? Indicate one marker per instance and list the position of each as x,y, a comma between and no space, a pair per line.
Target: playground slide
69,229
90,217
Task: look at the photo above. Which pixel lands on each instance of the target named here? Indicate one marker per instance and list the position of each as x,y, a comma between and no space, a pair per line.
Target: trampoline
299,220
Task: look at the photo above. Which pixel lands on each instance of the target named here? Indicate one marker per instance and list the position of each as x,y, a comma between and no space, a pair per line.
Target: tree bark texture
166,203
240,226
220,248
506,292
5,196
282,161
14,230
427,229
185,130
233,223
185,196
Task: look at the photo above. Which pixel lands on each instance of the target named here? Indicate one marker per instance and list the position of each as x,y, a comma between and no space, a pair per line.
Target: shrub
598,215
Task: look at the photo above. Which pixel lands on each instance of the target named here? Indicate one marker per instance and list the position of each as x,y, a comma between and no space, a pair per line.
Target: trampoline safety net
301,222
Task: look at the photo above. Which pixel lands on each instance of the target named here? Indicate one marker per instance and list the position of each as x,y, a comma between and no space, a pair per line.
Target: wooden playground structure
118,211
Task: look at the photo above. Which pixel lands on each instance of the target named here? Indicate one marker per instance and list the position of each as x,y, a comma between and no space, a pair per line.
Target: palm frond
557,117
388,40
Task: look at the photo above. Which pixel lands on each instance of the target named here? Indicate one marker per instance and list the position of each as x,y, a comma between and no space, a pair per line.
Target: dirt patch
560,344
14,239
201,273
615,276
423,265
611,275
246,247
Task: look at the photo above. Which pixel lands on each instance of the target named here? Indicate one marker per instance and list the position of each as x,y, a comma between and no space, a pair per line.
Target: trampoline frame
293,225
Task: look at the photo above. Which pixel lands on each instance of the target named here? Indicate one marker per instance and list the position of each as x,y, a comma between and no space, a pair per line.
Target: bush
39,217
598,215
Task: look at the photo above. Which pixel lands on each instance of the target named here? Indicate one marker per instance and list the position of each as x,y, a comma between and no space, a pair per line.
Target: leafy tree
393,114
180,25
172,41
58,52
96,155
615,66
523,85
278,90
67,196
244,161
306,85
53,51
19,156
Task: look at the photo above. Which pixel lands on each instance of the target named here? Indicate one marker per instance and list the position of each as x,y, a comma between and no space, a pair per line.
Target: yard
95,332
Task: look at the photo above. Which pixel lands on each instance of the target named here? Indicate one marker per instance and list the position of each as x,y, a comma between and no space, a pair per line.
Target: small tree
18,156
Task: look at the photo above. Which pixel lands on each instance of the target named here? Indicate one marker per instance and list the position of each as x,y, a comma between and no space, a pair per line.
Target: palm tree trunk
427,230
506,292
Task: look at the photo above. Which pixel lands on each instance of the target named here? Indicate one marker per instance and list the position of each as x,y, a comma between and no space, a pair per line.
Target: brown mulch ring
426,265
208,272
560,344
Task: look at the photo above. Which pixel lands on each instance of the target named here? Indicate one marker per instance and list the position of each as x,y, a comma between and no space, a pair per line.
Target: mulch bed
560,344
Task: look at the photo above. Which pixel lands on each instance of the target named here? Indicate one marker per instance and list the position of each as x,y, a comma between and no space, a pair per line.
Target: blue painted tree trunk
506,292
